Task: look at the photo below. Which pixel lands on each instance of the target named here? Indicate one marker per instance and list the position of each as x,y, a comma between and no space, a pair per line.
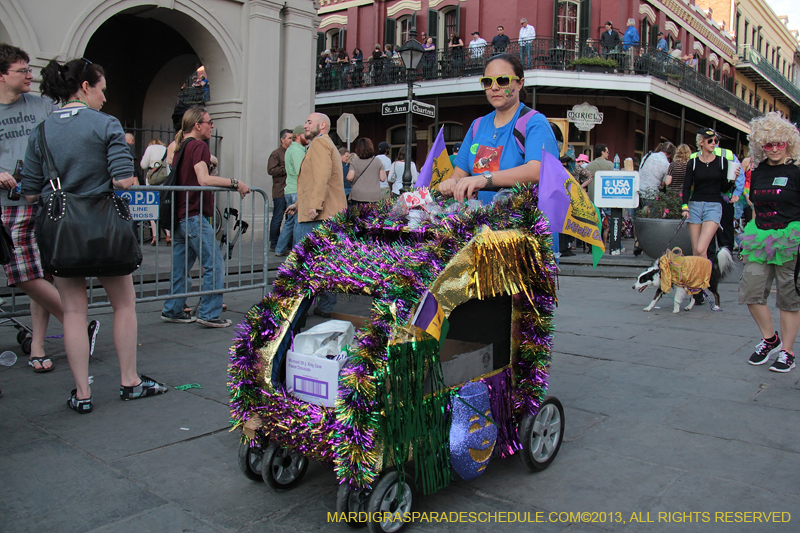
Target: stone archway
210,38
16,29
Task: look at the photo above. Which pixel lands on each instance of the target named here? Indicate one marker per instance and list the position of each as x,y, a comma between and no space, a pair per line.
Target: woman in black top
770,240
358,66
707,173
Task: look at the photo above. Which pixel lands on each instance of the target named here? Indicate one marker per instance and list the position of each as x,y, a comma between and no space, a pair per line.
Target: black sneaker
94,328
148,387
784,362
182,318
80,406
214,322
765,350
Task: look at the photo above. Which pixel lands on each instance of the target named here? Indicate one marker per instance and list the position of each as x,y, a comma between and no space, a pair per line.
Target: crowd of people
63,133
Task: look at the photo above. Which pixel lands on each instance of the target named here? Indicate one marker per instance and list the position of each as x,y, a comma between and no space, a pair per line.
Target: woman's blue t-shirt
494,149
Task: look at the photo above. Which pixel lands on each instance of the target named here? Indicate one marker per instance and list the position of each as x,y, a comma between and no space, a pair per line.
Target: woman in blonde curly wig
770,240
771,127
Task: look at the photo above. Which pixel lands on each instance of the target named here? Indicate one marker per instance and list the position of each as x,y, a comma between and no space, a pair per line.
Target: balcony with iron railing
751,62
542,53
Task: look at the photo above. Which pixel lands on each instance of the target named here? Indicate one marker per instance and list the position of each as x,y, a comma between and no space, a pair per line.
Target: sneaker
80,406
182,318
784,362
615,252
765,350
94,328
148,387
214,322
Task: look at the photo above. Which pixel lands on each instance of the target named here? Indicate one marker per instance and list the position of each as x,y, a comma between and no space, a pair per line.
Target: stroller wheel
26,345
349,501
541,435
282,468
250,459
21,334
392,500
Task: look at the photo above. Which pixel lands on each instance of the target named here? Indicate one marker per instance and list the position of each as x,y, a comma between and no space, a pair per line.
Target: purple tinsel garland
369,250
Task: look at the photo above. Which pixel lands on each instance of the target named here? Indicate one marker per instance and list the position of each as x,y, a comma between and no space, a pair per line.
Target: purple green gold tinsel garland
371,251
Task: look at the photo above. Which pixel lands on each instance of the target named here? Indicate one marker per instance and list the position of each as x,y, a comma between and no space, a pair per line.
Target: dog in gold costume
687,275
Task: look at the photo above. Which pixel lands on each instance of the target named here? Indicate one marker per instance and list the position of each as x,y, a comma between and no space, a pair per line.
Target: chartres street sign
426,110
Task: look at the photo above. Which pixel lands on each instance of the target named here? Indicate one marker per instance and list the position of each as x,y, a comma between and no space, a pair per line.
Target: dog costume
691,273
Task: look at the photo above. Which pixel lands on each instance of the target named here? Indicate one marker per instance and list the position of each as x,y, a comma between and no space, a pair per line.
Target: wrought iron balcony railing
749,55
541,53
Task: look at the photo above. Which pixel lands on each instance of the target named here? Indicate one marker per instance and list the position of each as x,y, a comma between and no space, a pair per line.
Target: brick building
655,98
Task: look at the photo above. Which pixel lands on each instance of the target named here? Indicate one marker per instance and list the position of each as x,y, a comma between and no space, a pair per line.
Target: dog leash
680,225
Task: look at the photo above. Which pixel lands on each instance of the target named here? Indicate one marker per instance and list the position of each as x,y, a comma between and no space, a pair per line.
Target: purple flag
553,198
437,165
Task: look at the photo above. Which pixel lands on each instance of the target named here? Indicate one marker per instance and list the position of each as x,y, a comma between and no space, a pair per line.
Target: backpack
159,172
520,127
166,209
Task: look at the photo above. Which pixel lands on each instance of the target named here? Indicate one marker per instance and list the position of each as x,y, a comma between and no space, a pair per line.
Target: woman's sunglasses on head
502,81
775,145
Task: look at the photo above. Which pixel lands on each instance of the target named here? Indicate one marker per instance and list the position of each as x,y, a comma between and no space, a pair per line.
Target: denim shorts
700,212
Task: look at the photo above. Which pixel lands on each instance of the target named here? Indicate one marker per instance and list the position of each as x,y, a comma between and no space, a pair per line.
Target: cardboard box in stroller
313,379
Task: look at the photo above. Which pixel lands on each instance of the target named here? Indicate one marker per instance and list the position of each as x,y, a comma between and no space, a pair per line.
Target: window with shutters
567,21
404,26
450,24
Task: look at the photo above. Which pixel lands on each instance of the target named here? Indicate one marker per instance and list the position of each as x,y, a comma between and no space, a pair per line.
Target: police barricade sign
143,204
616,188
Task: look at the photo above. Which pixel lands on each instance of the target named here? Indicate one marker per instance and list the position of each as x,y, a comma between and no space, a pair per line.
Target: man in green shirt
293,158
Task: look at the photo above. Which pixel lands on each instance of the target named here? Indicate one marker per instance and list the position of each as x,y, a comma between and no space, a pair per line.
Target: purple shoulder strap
520,127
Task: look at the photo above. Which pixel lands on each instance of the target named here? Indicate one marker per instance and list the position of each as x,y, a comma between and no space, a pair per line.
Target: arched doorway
144,59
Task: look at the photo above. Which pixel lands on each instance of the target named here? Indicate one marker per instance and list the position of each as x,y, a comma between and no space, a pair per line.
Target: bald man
320,189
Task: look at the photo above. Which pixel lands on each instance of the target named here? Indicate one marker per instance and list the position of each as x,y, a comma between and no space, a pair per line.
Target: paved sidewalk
663,414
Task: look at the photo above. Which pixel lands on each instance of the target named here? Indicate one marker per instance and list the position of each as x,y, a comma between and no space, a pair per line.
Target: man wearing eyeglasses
20,113
527,34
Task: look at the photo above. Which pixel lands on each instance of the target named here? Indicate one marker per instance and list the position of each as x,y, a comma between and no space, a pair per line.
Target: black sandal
81,406
41,360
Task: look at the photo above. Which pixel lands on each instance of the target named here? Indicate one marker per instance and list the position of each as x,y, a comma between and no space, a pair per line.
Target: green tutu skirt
773,247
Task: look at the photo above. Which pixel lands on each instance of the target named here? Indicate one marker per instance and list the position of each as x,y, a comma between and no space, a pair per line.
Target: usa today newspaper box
616,189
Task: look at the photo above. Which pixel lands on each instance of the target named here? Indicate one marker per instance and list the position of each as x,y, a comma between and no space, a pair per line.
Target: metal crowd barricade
241,230
241,227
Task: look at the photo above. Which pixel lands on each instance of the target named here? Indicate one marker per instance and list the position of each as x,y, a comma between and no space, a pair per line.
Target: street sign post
143,205
395,108
347,128
616,189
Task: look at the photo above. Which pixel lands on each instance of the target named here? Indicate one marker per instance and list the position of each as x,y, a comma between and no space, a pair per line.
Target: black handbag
83,236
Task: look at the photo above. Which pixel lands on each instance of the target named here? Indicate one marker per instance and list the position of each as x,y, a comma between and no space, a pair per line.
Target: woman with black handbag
76,157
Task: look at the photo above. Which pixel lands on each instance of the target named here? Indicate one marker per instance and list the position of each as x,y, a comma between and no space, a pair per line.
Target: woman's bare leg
122,296
76,343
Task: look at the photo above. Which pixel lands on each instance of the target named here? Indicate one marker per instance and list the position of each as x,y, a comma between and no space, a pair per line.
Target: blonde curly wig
772,128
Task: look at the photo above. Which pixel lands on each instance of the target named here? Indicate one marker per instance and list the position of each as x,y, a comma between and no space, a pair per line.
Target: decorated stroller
406,418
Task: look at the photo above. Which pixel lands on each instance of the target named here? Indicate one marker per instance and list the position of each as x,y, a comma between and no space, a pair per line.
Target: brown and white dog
687,275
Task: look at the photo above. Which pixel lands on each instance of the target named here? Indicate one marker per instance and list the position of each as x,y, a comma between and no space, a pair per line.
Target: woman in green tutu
770,241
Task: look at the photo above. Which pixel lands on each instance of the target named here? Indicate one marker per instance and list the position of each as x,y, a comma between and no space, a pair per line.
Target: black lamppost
411,53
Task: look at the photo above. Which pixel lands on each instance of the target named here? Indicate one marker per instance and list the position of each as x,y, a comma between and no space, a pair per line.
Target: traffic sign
143,205
421,108
395,108
342,127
